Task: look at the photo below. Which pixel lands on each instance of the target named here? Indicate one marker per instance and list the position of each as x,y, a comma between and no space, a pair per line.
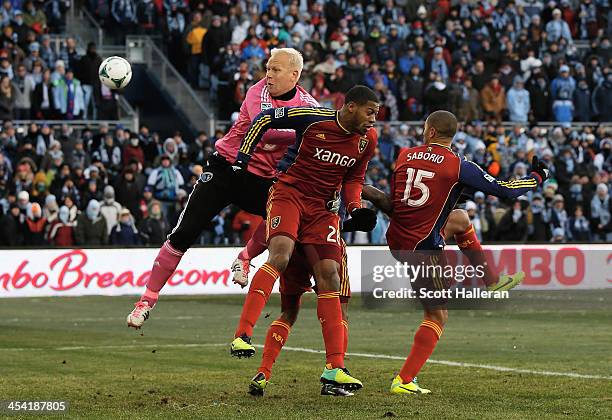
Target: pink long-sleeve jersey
275,142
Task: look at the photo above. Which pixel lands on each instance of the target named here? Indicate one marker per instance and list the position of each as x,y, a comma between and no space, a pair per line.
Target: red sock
256,299
275,339
256,245
470,247
425,341
330,316
163,267
346,332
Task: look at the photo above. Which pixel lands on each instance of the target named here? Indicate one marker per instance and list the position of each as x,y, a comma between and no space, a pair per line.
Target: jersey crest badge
321,136
363,143
275,222
206,176
265,105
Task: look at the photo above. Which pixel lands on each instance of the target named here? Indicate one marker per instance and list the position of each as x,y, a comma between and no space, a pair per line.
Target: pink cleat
139,314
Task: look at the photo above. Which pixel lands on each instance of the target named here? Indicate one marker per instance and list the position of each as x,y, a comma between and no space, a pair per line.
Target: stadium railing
225,124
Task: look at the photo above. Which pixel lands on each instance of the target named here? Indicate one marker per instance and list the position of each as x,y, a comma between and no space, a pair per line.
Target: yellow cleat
340,377
398,387
507,282
242,347
258,385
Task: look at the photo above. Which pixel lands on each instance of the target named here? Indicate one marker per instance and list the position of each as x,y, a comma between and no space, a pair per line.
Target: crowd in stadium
520,62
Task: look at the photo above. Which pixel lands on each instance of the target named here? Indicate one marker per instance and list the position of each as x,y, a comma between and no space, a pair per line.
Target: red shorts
296,279
305,220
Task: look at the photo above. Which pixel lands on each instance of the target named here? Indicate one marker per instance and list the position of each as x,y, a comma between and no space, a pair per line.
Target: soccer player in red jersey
427,183
332,150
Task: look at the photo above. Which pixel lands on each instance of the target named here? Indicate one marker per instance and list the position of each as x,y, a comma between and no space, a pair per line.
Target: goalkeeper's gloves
241,163
539,169
362,219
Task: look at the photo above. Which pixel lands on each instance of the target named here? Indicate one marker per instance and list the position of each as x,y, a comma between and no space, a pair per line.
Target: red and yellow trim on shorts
328,295
345,284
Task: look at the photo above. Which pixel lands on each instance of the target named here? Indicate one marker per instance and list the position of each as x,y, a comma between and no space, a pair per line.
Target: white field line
314,351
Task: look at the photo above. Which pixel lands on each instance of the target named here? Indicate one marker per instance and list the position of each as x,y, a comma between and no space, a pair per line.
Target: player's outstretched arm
473,176
292,118
381,200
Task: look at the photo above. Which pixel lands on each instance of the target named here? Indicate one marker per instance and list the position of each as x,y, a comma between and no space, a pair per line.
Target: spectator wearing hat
166,181
47,53
19,29
91,227
493,99
579,229
517,101
558,215
33,56
439,65
557,28
539,219
154,228
61,230
601,214
34,226
410,58
562,91
124,232
558,236
110,209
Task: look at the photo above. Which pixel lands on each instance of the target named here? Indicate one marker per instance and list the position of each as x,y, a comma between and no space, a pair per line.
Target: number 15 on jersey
415,179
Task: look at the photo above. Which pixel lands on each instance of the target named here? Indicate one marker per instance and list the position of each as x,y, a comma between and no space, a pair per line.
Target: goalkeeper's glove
539,169
362,219
241,163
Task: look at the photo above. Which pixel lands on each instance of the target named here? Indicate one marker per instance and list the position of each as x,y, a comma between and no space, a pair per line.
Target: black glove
241,163
539,168
362,219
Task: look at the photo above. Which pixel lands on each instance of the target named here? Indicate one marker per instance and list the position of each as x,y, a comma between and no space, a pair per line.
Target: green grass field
79,350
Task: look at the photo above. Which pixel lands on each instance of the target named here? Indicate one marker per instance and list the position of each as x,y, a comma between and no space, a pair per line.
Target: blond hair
296,61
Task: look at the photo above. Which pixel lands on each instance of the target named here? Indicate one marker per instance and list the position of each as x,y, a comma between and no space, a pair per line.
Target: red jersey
325,158
427,182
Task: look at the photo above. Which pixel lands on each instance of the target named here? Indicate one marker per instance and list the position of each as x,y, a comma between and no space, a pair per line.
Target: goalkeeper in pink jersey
220,186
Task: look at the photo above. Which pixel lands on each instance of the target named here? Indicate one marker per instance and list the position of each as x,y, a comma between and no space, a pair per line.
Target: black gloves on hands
362,219
539,168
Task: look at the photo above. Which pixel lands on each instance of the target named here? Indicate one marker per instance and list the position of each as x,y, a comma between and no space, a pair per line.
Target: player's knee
279,260
328,279
439,315
460,219
289,315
